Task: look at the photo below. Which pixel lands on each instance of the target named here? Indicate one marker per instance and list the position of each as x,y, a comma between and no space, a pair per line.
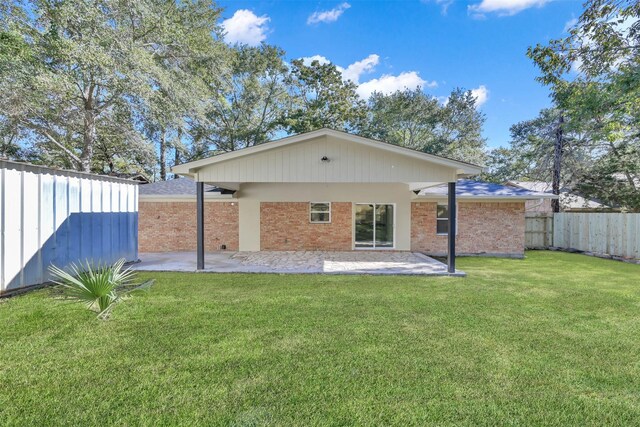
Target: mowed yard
550,340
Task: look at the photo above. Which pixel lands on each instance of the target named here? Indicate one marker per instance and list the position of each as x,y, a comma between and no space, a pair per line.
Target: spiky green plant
98,287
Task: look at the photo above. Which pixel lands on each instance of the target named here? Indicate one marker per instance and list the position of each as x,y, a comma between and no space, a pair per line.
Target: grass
550,340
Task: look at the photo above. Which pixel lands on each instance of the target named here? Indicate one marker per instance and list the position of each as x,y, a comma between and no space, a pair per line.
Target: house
569,201
140,178
332,191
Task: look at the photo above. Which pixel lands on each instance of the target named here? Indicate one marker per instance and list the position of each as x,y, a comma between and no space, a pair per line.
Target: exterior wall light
325,159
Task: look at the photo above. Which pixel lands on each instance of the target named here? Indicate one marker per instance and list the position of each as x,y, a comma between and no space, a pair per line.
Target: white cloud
504,7
481,94
444,100
444,4
328,15
570,24
307,60
246,27
388,84
355,70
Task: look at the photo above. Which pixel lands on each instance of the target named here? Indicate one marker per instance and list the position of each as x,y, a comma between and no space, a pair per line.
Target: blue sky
441,44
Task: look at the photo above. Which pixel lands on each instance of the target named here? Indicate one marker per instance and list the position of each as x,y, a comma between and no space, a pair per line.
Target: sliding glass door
374,225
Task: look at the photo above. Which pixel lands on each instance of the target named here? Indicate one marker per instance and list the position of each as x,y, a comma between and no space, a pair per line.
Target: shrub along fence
611,234
50,216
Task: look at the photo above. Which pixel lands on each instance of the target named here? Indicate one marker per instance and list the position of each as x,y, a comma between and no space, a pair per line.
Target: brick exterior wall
285,226
483,228
171,226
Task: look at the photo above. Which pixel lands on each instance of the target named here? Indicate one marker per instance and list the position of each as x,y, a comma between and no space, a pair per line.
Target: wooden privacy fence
616,234
538,232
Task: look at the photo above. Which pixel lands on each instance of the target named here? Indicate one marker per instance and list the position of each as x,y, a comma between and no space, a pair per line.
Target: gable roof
470,189
462,167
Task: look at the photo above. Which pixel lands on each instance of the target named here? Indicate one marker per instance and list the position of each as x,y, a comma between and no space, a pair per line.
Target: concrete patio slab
299,262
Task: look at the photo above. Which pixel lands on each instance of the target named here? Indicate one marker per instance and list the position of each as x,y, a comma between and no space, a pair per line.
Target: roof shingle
174,187
471,188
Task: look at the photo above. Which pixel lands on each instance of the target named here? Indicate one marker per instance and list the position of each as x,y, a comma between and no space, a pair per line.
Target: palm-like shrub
98,287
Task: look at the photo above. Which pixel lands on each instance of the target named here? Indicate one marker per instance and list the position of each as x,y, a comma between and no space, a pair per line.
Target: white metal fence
49,216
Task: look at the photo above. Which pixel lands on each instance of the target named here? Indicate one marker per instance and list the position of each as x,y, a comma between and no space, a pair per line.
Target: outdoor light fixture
325,159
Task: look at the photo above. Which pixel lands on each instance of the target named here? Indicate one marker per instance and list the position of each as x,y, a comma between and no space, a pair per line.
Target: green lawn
550,340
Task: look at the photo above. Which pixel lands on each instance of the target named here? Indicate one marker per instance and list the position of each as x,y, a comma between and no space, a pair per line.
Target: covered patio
299,262
326,191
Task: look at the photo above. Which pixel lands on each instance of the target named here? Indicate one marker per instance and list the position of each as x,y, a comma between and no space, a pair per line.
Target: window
442,220
319,212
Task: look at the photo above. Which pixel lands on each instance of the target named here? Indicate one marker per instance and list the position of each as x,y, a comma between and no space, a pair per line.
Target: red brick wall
483,228
171,226
285,226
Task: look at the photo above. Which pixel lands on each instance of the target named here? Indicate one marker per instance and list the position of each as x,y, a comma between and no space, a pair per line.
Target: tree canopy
320,98
594,126
88,74
120,87
416,120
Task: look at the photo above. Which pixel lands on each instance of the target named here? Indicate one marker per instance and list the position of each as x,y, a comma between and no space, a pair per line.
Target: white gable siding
349,162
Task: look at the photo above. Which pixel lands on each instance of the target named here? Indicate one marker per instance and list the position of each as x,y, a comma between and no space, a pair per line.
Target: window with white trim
319,212
442,219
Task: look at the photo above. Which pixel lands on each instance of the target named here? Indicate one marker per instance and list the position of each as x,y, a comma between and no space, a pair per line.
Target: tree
608,180
321,98
461,128
92,66
594,75
413,119
504,164
9,136
610,112
409,118
605,38
245,103
535,153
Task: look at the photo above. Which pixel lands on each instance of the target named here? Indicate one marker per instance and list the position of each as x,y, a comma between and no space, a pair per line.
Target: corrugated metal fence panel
615,234
56,217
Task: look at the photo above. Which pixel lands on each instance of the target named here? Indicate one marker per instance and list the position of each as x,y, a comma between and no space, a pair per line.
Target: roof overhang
184,197
486,198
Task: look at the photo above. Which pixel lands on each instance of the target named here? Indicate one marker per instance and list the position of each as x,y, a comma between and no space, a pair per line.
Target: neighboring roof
470,189
189,168
541,186
622,177
568,199
179,187
134,176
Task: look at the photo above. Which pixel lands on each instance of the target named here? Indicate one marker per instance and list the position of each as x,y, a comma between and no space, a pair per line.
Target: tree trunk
176,159
89,138
558,151
163,152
